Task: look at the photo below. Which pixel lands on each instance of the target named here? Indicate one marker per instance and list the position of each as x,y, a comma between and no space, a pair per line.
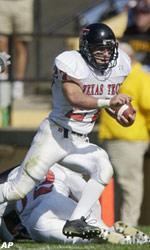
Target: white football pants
46,220
48,147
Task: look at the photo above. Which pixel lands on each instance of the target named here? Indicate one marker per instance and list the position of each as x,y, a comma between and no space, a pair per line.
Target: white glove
4,61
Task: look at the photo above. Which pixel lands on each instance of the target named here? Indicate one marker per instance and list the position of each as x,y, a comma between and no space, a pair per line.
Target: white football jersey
92,82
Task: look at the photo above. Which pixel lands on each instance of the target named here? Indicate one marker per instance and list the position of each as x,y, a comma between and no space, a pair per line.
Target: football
125,110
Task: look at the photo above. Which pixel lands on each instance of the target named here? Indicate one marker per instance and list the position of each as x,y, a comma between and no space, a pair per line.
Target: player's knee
13,194
18,187
39,229
104,168
106,174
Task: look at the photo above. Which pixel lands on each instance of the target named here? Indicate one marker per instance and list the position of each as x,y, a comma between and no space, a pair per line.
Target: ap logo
7,244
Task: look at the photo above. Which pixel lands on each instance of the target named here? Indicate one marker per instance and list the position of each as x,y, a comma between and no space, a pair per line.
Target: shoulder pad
123,67
124,62
72,63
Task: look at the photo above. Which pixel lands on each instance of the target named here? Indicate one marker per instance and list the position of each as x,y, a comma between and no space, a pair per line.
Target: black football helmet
98,37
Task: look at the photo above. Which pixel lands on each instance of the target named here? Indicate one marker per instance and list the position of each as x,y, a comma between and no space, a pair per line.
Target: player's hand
4,61
120,99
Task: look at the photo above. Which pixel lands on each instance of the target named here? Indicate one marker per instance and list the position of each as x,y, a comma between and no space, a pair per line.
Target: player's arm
76,97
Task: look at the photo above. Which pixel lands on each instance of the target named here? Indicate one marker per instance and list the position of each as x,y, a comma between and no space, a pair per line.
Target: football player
41,211
46,208
84,81
43,216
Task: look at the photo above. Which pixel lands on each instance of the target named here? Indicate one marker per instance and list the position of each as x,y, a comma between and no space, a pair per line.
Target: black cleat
79,228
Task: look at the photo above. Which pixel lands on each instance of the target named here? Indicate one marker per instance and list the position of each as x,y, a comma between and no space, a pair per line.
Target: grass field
24,244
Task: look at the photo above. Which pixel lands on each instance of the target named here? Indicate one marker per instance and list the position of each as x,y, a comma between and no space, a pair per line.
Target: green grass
107,246
42,246
25,244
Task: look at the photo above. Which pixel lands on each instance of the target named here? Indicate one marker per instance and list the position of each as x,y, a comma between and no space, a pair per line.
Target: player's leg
94,161
47,148
46,220
51,231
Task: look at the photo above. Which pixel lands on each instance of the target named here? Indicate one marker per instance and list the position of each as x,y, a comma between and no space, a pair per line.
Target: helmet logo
85,31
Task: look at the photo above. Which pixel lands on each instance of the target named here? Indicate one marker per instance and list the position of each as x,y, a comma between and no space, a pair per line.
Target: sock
96,211
90,195
94,218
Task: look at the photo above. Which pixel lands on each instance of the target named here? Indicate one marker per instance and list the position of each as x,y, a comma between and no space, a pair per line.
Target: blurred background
26,99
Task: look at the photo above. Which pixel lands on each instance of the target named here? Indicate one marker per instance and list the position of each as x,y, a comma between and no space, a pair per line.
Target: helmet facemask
103,56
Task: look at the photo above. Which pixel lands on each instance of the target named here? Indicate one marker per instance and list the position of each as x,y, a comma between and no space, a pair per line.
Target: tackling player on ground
42,214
